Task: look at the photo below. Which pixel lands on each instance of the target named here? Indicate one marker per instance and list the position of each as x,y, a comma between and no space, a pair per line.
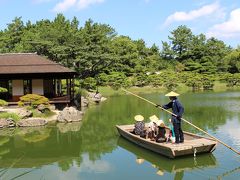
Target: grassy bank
108,91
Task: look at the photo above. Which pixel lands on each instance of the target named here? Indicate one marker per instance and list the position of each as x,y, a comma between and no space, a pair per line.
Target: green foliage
195,82
207,82
102,58
117,80
233,80
45,114
6,115
3,90
233,61
156,80
171,83
141,80
193,66
89,83
20,104
195,52
3,103
114,80
33,100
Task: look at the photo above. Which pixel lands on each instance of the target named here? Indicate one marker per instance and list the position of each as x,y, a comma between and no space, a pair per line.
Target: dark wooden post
55,93
73,84
67,84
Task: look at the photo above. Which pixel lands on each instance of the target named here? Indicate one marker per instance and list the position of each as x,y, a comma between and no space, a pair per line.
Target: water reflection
83,149
33,134
162,164
3,149
67,127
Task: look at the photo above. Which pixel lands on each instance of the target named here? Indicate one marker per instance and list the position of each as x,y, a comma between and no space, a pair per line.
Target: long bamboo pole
184,121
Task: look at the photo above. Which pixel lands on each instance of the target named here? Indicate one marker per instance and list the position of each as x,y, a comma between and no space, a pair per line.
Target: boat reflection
163,164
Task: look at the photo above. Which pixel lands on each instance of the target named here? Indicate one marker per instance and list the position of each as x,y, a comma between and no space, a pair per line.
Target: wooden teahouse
29,73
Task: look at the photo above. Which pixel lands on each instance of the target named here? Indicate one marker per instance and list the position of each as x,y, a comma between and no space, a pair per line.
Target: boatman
177,109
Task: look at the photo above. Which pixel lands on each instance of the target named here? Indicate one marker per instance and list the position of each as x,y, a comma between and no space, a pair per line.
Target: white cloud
227,29
80,4
98,166
64,5
231,130
194,14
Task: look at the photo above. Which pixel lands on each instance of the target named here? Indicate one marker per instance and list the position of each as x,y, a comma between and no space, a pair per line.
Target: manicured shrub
3,90
6,115
3,103
33,100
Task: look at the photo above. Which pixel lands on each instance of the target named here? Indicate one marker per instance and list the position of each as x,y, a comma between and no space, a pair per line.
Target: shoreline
109,91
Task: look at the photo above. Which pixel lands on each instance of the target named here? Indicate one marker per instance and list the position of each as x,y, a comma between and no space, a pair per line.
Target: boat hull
193,145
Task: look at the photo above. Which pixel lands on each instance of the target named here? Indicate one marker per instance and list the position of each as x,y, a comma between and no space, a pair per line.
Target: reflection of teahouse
160,172
139,160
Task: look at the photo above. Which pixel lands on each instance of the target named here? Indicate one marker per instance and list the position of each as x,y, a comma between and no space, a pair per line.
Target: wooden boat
193,144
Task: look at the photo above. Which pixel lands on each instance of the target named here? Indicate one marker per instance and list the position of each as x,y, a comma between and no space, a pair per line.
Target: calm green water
93,150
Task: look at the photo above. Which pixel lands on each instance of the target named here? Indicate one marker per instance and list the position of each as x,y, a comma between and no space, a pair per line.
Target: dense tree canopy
97,51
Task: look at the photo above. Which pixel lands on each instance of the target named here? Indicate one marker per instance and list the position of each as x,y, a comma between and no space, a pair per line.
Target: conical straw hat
139,118
153,118
172,94
160,123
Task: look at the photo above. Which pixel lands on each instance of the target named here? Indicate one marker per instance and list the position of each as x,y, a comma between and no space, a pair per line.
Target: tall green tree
95,49
12,36
232,61
181,41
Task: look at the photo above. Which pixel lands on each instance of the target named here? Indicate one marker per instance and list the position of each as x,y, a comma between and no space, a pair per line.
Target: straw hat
139,160
139,118
172,94
153,118
160,172
160,123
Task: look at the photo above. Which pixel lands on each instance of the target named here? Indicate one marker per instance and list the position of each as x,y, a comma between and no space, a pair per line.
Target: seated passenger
139,125
152,127
161,132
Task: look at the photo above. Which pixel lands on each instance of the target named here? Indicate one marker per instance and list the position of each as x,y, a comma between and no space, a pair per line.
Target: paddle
184,121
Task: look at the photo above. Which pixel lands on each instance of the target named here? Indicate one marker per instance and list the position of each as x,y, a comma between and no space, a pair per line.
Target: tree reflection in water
73,145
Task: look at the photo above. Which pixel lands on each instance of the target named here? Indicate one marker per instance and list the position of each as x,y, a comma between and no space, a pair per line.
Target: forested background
101,57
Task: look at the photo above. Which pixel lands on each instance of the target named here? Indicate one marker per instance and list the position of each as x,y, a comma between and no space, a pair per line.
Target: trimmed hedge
33,100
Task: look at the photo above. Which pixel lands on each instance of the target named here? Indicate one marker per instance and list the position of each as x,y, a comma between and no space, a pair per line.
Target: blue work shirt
177,109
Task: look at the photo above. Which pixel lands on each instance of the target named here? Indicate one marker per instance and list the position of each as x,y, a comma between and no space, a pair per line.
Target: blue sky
151,20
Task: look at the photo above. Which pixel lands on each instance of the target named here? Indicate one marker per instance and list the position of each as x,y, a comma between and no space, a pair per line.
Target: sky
150,20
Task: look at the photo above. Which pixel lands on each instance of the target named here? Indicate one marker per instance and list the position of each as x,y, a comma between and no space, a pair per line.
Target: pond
92,149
